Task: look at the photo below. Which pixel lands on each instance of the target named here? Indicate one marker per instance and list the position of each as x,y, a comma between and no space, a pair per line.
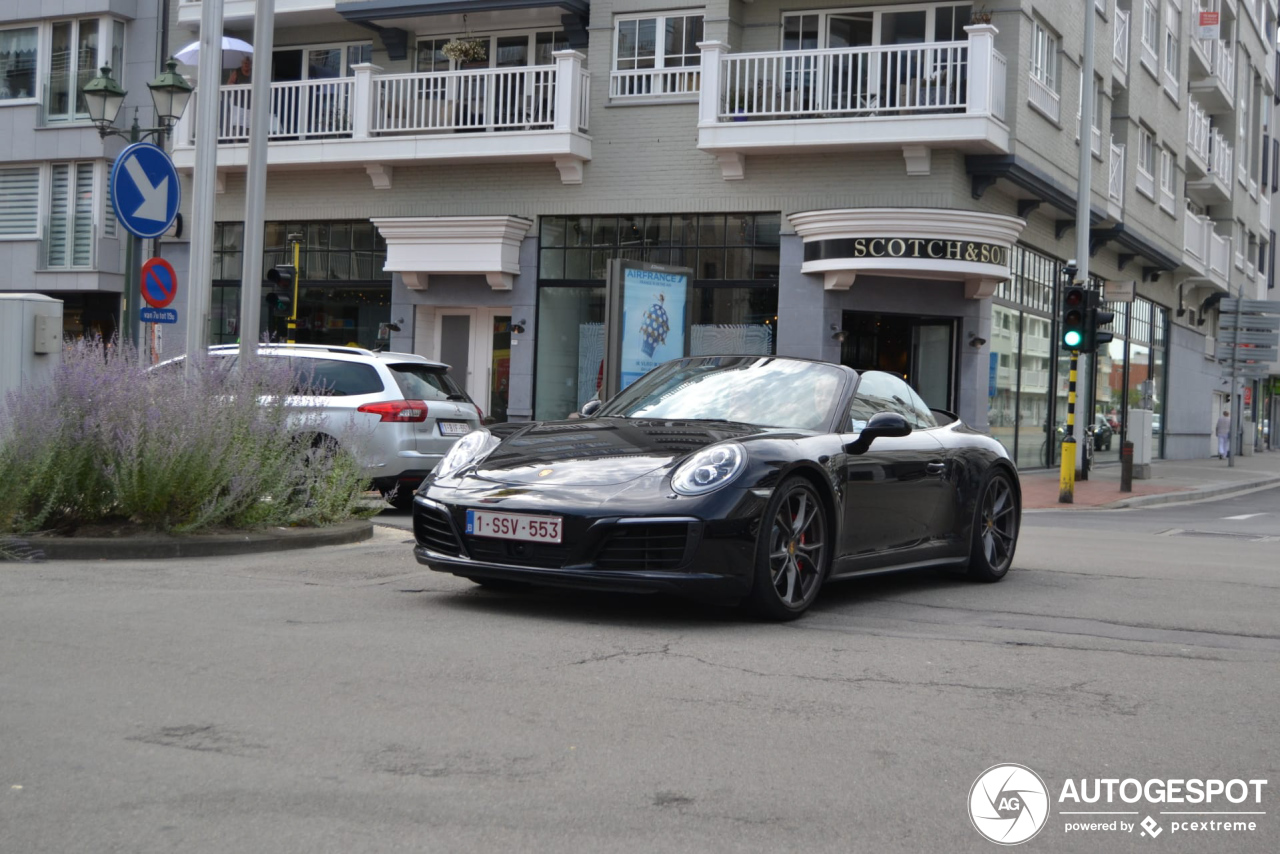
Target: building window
1172,31
18,63
73,59
643,47
20,201
638,44
1150,34
734,258
344,295
1146,163
1167,180
71,204
1044,57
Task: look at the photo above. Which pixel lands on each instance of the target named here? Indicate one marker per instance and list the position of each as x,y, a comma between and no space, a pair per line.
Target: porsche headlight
709,469
468,450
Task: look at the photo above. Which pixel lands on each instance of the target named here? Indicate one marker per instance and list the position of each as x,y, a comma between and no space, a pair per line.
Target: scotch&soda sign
923,248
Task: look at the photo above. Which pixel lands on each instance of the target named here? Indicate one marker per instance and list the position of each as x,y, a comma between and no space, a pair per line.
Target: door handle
936,468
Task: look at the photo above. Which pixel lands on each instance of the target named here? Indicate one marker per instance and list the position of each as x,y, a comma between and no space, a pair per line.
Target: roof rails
327,348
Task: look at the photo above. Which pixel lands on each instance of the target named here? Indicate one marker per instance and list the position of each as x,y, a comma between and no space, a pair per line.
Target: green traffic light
1072,338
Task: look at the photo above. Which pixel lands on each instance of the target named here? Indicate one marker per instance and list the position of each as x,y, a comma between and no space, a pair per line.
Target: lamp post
104,98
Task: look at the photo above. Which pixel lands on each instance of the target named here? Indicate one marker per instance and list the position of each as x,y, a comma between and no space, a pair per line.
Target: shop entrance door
476,344
919,349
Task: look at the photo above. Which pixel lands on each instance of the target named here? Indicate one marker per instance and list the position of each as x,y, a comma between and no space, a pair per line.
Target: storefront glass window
1108,393
570,355
344,294
1023,350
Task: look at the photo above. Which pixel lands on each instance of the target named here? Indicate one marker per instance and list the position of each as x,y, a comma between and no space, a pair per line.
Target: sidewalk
1172,480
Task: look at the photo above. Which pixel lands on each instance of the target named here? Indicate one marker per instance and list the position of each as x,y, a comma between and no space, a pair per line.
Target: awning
383,10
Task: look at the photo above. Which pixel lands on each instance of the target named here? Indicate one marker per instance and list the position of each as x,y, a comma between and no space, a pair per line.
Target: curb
1189,495
160,547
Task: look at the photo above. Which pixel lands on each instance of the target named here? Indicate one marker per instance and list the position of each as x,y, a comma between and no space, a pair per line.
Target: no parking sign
159,287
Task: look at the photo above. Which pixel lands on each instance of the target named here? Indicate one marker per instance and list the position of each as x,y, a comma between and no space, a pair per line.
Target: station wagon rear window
423,382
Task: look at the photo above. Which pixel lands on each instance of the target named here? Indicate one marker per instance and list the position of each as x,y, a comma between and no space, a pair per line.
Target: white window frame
1044,66
1170,67
34,233
1145,183
1149,41
1167,179
306,66
37,74
877,21
659,41
490,39
105,56
94,208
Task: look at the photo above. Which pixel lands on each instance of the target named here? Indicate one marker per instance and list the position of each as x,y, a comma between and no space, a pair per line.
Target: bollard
1126,467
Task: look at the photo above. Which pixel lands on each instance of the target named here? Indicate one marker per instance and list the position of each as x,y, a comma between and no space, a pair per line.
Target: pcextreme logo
1010,804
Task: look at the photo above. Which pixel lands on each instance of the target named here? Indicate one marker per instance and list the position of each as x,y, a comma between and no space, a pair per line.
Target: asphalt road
346,700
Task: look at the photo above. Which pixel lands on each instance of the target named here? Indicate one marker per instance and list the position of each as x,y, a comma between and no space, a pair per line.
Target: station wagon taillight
397,410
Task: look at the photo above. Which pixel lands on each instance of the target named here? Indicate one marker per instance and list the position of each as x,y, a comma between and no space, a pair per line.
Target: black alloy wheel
995,530
792,552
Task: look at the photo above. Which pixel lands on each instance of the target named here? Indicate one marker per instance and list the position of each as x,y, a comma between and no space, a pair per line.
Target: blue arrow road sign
144,190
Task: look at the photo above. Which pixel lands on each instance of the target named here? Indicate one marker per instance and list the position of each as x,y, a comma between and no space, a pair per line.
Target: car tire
995,529
793,551
400,497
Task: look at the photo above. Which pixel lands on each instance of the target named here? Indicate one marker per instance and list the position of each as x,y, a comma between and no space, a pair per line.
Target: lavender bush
107,441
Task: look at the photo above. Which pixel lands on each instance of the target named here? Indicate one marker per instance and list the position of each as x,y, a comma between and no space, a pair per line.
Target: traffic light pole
293,313
1067,471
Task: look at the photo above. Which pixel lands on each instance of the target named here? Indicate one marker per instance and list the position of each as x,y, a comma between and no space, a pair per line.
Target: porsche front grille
431,528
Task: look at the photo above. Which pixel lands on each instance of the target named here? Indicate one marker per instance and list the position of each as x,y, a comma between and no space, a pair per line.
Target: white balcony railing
1220,157
302,109
369,106
1199,130
1043,98
864,81
1115,181
1195,239
480,99
1145,182
1219,254
1120,48
655,83
1222,61
1264,211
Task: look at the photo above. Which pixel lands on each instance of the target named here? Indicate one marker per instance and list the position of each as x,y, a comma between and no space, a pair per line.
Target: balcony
235,10
497,115
1209,163
909,97
1213,74
1120,47
1115,179
1204,251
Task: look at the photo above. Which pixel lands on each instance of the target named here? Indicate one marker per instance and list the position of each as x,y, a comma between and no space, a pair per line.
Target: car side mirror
591,407
881,425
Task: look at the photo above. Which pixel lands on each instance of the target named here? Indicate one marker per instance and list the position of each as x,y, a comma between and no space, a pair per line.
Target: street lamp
104,98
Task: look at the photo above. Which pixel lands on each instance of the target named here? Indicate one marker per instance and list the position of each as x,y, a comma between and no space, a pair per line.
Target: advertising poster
653,320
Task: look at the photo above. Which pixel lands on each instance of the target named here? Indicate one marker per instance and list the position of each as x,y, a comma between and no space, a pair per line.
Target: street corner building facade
882,185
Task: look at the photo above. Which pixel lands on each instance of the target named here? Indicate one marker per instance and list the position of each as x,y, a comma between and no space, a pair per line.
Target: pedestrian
243,74
1223,432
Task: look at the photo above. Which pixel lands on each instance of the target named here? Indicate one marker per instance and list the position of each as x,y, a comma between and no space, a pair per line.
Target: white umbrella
233,51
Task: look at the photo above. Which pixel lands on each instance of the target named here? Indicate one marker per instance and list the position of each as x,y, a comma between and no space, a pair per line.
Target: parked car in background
400,413
1102,433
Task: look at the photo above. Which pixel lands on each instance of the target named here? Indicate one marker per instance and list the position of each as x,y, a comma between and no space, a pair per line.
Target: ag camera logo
1008,804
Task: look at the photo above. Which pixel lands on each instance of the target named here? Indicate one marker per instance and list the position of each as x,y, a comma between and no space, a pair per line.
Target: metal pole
1067,471
297,274
1236,413
255,196
1084,191
204,179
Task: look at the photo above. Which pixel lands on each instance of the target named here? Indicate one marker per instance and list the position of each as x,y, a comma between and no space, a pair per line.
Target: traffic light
1075,301
281,278
1096,317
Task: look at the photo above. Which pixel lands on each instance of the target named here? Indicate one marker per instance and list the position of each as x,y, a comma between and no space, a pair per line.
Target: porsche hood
600,451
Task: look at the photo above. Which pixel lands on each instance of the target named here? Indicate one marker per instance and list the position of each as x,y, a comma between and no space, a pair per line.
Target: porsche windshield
761,390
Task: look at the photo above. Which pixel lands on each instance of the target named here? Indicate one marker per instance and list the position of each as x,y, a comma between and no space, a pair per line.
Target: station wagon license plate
454,428
514,526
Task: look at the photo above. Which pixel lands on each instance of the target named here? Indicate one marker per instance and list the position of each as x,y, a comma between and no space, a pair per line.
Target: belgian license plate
514,526
454,428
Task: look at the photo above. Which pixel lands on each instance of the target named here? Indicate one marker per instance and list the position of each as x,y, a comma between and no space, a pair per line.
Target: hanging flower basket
464,50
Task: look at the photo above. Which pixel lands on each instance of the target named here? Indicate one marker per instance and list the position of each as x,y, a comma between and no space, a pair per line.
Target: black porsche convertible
726,478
